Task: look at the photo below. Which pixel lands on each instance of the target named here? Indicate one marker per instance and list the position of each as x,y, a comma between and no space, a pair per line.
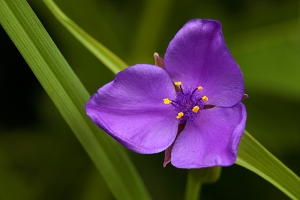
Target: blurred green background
40,158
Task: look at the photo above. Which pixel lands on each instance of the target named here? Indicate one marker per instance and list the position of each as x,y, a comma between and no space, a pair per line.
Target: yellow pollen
195,109
177,83
199,87
205,98
179,115
167,101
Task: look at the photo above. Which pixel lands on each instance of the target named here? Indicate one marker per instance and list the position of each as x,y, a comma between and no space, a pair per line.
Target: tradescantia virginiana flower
189,105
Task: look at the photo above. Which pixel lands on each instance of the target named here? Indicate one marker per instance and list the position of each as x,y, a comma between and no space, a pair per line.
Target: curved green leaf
253,156
109,59
69,96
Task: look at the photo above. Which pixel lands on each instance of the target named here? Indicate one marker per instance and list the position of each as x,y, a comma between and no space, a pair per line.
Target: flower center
187,103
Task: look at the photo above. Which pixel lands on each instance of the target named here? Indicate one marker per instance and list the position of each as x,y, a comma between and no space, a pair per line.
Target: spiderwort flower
189,106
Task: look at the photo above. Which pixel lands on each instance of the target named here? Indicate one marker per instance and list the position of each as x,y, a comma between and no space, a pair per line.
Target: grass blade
69,96
253,156
109,59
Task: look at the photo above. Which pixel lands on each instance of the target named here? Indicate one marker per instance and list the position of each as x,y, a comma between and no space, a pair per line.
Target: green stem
197,177
193,186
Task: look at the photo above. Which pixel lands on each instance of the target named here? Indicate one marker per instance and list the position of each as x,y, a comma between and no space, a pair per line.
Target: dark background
40,158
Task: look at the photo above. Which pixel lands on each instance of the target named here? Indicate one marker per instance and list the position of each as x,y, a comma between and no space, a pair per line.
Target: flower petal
198,55
211,141
131,109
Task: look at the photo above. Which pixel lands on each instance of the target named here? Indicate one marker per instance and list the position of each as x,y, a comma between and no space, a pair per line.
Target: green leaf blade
69,95
253,156
109,59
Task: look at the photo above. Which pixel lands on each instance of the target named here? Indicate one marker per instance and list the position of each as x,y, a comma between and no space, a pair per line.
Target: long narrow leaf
109,59
253,156
69,96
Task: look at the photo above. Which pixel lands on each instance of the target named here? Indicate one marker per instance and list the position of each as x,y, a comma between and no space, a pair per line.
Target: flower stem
193,186
197,177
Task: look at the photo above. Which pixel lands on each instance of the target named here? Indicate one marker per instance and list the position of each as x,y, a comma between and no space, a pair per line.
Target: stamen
198,88
195,109
193,92
178,83
167,101
205,98
180,115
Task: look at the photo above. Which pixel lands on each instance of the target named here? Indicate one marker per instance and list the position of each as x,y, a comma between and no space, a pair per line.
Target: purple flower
189,106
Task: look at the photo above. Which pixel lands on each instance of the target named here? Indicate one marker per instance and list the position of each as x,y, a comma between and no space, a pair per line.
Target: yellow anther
195,109
177,83
205,98
179,115
199,87
167,101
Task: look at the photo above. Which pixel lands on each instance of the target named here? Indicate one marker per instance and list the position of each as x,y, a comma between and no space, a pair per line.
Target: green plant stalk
193,187
197,177
253,156
69,96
